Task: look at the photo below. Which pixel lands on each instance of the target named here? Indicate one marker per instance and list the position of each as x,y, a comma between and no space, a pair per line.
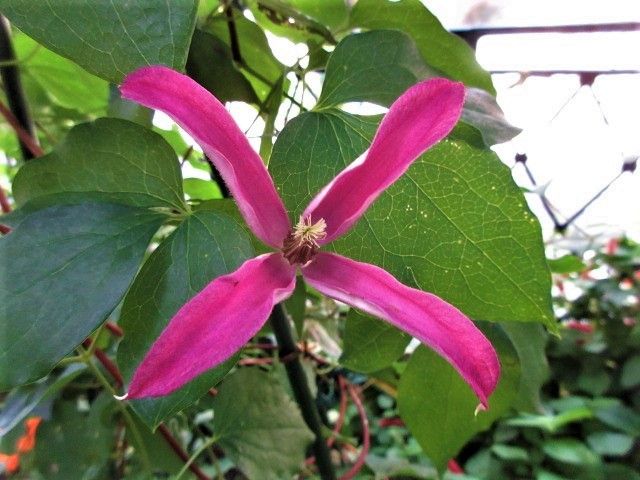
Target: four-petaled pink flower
231,309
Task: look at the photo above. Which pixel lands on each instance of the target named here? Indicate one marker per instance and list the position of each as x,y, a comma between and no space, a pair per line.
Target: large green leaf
438,406
109,38
74,444
530,341
455,224
66,83
439,48
370,344
259,425
111,159
210,63
204,246
63,270
354,74
254,51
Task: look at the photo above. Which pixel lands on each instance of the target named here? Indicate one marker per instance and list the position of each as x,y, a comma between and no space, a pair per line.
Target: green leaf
163,459
440,49
20,402
620,417
455,224
566,264
109,38
279,17
124,109
210,63
510,453
200,189
529,341
630,377
355,75
371,344
204,246
259,425
552,423
64,82
483,112
610,443
438,406
111,159
75,444
332,13
254,50
569,450
617,471
65,268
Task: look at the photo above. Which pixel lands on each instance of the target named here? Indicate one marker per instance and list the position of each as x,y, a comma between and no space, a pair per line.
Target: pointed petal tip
482,407
425,316
213,325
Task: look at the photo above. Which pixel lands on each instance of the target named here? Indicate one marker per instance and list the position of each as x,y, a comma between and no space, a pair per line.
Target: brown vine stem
26,139
366,440
13,89
184,456
5,206
342,411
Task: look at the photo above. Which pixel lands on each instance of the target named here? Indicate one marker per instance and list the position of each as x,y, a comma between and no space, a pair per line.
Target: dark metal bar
472,35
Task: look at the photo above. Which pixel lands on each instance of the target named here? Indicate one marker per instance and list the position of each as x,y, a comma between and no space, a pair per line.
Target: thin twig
177,448
5,206
582,209
522,159
25,139
106,362
342,411
366,440
206,444
114,329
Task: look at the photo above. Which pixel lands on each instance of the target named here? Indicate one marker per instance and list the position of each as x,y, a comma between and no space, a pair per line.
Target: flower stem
300,387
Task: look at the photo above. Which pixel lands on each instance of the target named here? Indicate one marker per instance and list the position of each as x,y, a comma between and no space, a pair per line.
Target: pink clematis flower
220,319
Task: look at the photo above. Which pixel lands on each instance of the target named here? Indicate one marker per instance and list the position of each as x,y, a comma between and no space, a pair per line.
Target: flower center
301,244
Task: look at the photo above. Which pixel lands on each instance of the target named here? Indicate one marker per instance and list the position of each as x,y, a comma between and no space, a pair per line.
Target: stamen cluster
301,244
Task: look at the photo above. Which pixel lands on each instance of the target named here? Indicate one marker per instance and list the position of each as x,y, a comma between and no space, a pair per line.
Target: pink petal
423,315
213,325
208,122
422,116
